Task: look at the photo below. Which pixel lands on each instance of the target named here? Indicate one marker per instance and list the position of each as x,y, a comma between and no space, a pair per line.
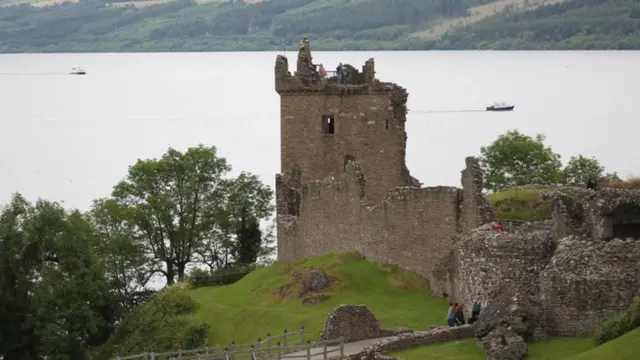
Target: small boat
500,106
78,71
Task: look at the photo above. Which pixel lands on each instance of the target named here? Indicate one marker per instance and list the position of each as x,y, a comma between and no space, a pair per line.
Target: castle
344,186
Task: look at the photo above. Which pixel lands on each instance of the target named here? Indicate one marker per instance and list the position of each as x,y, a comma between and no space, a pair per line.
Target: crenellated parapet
310,78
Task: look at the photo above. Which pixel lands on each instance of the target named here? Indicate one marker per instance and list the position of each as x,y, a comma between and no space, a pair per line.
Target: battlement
313,78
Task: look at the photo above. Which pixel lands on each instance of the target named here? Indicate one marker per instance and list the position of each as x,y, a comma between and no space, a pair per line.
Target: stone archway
623,222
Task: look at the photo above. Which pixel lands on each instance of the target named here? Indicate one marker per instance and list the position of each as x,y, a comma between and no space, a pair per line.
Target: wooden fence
289,345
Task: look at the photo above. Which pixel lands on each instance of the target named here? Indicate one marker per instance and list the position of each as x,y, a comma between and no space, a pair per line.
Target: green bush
164,323
619,325
520,204
199,277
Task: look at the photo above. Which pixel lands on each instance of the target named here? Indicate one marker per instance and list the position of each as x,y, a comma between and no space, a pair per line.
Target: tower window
386,123
328,124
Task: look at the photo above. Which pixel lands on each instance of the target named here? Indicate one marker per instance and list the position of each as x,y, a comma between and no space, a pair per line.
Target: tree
580,169
248,240
122,253
182,205
246,199
53,294
515,159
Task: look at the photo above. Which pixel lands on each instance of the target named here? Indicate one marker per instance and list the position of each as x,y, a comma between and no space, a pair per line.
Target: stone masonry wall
487,260
586,282
412,227
354,323
365,131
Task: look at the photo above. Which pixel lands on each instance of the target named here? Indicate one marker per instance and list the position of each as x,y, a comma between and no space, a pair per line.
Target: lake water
71,138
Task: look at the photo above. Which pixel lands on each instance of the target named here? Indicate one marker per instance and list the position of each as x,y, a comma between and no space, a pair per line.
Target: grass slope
252,307
626,347
554,349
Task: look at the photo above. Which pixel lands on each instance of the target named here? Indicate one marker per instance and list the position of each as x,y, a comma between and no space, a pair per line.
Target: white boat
500,106
78,71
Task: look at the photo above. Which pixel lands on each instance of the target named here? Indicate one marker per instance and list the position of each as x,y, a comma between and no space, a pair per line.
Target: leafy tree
580,169
55,300
182,205
248,240
515,159
122,253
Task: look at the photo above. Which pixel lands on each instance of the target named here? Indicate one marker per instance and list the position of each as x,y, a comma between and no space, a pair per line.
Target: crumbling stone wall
412,339
413,228
354,323
587,281
487,260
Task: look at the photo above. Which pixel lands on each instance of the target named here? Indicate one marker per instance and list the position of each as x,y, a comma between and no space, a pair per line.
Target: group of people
455,316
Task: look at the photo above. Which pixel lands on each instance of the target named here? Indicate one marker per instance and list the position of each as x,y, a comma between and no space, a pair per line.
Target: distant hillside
226,25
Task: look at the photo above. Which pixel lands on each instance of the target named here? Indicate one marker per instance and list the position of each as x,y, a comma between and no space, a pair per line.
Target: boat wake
42,73
445,111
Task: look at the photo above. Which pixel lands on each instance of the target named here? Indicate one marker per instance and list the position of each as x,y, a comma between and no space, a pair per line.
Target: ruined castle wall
487,260
412,228
366,130
586,282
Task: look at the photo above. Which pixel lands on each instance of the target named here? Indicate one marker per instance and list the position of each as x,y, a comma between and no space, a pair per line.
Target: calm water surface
71,138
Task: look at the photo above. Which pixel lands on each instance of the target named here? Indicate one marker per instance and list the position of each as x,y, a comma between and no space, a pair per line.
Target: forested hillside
187,25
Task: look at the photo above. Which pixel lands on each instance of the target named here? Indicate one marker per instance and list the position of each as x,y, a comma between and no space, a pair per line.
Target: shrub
631,183
619,325
225,276
520,204
165,322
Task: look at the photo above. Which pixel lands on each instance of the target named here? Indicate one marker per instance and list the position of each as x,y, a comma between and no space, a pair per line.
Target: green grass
553,349
520,205
452,350
252,307
559,348
626,347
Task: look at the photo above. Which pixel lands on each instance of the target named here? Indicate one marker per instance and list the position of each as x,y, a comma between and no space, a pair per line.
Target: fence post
225,353
286,343
233,350
278,351
302,334
268,340
118,357
180,354
324,350
153,356
259,347
341,346
308,350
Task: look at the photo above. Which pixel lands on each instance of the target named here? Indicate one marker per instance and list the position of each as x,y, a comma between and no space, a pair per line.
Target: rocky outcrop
504,344
353,323
314,281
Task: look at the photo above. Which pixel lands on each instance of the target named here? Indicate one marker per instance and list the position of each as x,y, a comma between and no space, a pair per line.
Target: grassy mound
268,300
166,322
626,347
520,205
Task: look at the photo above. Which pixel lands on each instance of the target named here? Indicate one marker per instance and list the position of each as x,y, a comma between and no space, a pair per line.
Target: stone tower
324,124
